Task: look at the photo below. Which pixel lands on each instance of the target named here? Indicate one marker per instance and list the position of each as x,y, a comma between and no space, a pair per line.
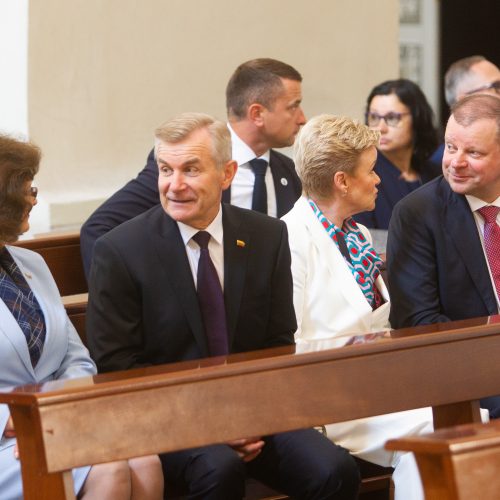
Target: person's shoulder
426,202
30,260
277,157
136,227
250,218
299,215
24,254
431,191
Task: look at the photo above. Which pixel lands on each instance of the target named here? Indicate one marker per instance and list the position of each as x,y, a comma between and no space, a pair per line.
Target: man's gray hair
455,75
179,128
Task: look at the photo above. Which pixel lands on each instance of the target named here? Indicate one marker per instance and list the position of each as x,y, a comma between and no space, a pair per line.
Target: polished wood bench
376,480
459,463
65,424
61,252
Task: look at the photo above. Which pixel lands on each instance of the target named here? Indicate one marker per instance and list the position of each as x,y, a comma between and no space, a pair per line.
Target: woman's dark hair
425,134
19,163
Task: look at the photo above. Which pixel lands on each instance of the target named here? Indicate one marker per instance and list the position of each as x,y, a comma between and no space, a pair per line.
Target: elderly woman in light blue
337,288
38,343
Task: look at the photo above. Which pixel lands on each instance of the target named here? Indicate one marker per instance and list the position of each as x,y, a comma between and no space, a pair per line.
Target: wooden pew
459,463
65,424
76,308
376,480
62,254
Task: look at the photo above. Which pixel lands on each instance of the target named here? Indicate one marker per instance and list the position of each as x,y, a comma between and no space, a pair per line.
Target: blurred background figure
467,76
408,136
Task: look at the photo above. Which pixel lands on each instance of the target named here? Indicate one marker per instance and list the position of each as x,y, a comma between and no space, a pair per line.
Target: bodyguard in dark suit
147,306
443,249
263,100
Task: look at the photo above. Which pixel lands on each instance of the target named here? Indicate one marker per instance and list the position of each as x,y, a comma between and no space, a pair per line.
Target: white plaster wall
14,65
104,73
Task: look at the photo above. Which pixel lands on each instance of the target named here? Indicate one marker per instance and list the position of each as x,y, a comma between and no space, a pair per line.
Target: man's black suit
436,265
143,310
141,194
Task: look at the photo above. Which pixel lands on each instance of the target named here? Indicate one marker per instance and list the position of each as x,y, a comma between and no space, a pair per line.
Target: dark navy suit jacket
141,194
436,265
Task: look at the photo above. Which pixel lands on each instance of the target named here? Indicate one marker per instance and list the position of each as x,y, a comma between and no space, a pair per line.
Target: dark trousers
492,404
302,464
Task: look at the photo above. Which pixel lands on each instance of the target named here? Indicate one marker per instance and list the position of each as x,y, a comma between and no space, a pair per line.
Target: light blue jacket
64,356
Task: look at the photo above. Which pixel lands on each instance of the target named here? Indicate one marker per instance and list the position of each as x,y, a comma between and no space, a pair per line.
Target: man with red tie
192,278
443,250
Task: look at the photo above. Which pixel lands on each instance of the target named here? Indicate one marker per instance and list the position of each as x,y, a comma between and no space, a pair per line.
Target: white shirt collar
242,152
214,228
476,203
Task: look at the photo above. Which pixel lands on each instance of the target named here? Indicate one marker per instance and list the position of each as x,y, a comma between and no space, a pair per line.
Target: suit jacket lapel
15,336
13,331
285,196
172,254
460,221
334,260
236,245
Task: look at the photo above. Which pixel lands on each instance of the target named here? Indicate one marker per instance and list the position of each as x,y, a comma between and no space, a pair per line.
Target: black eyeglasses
33,192
392,119
495,86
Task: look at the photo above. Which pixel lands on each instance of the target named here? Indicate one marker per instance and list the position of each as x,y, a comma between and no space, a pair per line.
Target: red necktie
211,299
492,241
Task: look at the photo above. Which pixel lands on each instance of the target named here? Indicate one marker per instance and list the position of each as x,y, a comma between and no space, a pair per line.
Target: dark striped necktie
211,299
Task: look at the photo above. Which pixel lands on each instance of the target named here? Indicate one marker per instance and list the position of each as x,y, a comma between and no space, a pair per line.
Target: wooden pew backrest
458,463
407,366
62,254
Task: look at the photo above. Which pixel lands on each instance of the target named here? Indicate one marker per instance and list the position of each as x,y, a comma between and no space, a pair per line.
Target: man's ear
255,113
229,170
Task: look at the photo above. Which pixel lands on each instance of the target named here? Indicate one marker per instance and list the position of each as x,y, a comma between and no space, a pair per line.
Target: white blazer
63,356
329,304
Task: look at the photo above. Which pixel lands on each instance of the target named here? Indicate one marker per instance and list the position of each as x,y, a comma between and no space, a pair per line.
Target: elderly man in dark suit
263,100
155,296
443,250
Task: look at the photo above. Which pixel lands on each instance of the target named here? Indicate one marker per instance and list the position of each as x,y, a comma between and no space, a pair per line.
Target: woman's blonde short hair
328,144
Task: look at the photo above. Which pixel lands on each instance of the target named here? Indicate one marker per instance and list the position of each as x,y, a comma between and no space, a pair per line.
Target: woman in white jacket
338,290
38,343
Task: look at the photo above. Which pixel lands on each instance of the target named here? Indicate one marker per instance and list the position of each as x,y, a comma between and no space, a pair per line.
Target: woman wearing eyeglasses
399,110
38,343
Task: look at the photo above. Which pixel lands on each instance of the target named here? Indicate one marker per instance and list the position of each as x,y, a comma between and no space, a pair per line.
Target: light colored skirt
11,485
